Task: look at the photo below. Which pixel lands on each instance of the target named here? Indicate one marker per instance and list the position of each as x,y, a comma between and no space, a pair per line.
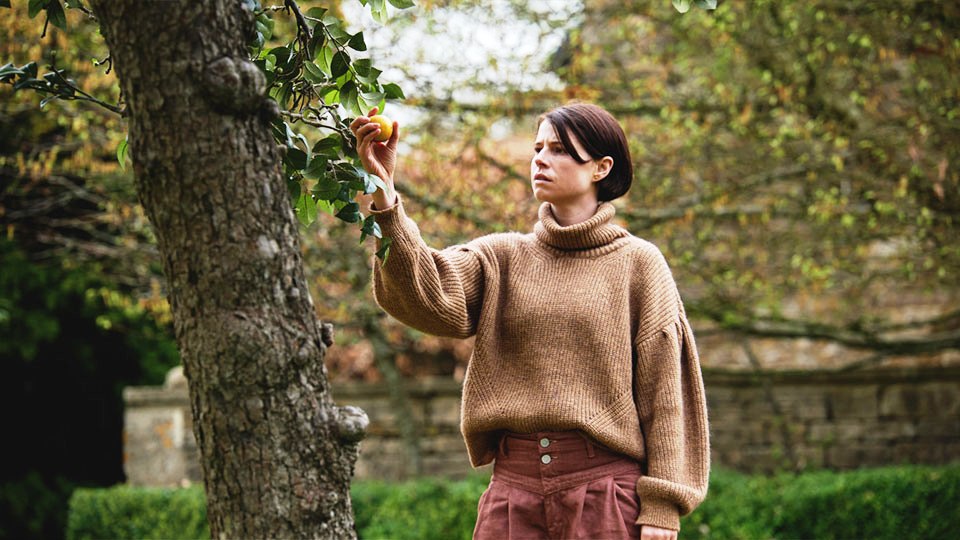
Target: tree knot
234,85
351,424
326,334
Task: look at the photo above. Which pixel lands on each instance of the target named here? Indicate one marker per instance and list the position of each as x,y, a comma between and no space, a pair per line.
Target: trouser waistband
549,461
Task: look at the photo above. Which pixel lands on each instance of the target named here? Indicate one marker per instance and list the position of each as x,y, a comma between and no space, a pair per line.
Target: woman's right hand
379,158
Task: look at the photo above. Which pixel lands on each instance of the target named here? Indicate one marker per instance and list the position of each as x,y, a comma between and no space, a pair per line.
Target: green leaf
338,34
378,8
294,188
340,64
55,14
706,4
295,158
402,4
35,6
377,181
314,73
326,206
369,100
30,69
682,6
317,167
349,96
356,42
329,93
365,71
270,63
315,13
328,146
370,184
282,96
369,78
318,40
351,174
306,209
393,91
384,250
327,189
283,57
8,71
30,82
265,26
324,60
350,213
122,154
370,228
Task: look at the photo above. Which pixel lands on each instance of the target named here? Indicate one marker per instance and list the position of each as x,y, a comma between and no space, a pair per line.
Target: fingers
360,120
395,136
365,131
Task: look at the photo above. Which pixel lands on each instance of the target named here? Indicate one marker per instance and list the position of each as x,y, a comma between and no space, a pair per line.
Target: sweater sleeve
435,291
673,415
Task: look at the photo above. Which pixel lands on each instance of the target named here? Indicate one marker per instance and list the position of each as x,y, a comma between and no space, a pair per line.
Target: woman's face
555,176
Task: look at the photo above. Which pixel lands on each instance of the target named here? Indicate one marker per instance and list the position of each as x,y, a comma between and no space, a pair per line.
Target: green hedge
894,502
882,503
137,513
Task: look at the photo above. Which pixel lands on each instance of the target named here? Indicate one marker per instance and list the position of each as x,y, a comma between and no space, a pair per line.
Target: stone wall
767,421
834,420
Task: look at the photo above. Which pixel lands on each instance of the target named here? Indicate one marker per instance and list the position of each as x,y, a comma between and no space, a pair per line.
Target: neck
573,213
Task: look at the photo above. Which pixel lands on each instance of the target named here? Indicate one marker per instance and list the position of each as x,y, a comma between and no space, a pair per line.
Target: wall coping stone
829,377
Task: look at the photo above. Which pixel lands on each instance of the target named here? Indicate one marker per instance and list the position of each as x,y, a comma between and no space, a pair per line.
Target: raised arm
438,292
435,291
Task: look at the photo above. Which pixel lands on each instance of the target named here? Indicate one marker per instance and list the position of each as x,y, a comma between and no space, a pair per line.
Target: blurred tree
69,343
81,311
795,161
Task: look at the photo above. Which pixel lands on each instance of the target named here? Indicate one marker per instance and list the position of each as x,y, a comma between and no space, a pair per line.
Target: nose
538,159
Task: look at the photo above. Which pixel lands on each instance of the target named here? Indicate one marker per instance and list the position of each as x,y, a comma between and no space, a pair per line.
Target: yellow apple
386,127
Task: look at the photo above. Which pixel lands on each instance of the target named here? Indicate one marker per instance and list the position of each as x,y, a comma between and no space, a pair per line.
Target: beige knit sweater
577,328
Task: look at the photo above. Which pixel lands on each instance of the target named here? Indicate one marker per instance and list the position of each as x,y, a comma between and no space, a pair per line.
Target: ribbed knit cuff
659,513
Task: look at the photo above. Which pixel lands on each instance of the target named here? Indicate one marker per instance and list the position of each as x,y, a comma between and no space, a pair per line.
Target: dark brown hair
600,135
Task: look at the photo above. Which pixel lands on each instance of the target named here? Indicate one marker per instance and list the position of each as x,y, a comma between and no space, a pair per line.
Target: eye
558,149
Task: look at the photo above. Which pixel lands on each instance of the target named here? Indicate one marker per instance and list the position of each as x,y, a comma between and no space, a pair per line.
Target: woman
584,386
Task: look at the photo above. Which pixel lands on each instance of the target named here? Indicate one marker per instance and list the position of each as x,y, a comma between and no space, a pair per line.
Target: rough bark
277,455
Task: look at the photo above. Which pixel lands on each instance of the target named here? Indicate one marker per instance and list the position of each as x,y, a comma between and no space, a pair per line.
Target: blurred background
795,161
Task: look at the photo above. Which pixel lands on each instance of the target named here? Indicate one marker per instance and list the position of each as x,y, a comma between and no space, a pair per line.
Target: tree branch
854,336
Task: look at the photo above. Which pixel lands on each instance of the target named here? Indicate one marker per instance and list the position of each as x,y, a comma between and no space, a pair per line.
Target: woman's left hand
649,532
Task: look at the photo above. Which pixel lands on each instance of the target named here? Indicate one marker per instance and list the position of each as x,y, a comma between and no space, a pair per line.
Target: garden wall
766,421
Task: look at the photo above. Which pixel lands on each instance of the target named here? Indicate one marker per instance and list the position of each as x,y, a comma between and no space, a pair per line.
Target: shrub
426,509
889,502
735,507
136,512
886,503
907,501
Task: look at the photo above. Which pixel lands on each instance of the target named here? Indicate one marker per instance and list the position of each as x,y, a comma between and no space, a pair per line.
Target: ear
604,166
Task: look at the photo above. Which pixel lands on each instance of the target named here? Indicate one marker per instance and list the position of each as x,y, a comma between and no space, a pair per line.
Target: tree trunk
277,455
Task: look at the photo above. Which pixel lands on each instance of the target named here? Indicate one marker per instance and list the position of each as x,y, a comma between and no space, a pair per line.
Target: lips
541,177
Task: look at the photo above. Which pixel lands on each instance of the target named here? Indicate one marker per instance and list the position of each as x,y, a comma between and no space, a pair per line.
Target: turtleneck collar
593,233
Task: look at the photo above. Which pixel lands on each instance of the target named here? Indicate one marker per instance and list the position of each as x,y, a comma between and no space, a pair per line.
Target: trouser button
546,459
